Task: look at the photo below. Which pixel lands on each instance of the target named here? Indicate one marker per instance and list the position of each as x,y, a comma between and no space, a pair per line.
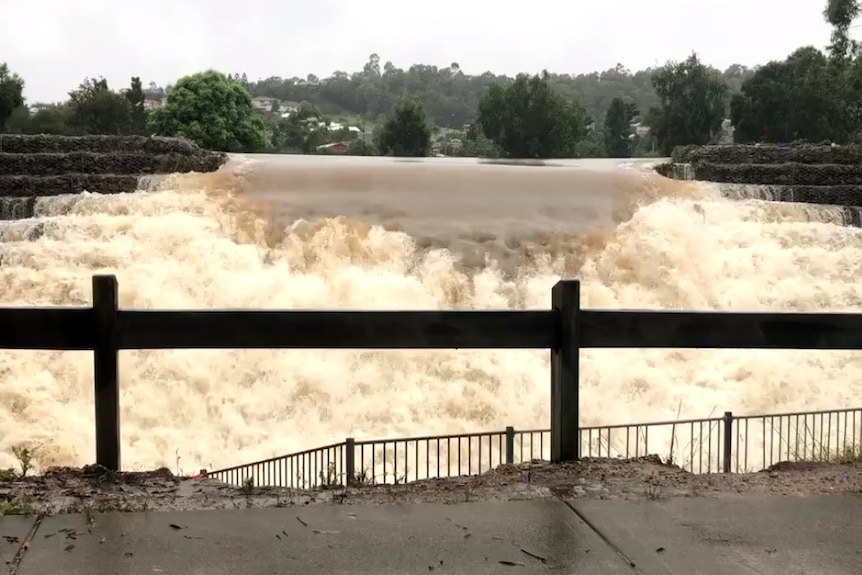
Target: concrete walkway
741,535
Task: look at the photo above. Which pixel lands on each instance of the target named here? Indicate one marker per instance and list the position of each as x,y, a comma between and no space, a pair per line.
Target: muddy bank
93,489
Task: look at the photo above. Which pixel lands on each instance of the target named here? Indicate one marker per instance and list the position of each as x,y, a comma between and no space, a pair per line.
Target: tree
692,102
840,14
137,113
302,131
11,90
450,96
617,128
805,97
42,119
96,109
211,110
476,145
372,67
406,133
529,119
361,148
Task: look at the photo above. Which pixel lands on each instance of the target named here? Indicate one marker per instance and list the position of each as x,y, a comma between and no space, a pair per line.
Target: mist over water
360,233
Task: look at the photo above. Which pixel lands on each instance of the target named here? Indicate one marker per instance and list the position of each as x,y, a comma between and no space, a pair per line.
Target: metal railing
727,444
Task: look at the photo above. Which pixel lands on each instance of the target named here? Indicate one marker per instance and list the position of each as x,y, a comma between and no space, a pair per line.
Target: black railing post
105,371
350,461
565,364
727,452
510,445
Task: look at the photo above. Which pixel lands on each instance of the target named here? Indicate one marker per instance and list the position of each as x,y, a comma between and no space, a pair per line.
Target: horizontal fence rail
564,330
727,444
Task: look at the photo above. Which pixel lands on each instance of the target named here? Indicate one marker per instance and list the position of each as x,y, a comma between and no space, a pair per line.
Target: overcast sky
54,44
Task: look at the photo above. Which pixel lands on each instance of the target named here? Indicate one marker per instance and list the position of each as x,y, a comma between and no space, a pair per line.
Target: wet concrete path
686,536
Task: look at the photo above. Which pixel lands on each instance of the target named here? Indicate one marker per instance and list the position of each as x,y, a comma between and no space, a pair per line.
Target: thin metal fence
764,440
310,469
693,444
726,444
411,459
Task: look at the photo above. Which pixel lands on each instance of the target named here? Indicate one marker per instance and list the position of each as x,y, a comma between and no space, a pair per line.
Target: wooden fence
564,330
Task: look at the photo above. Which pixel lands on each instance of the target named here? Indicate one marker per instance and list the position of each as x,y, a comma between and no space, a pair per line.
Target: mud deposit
92,489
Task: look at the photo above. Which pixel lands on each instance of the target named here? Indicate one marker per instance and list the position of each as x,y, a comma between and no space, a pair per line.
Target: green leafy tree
302,131
19,121
805,97
43,119
361,148
96,109
529,119
476,145
137,113
211,110
618,130
406,133
11,94
841,14
450,96
593,144
369,95
692,103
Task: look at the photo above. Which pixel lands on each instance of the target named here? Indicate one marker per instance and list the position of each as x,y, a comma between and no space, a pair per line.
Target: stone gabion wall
806,173
787,174
49,144
45,165
133,163
769,154
832,195
41,186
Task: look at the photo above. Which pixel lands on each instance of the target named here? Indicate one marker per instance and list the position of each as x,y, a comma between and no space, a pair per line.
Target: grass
850,455
11,503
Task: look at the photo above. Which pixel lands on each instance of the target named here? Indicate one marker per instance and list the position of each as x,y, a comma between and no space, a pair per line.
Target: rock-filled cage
35,166
823,174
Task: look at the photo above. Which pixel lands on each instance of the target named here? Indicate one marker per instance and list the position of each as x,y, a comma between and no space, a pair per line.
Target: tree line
812,95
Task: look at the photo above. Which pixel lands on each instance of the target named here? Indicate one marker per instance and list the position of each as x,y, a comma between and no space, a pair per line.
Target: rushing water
372,233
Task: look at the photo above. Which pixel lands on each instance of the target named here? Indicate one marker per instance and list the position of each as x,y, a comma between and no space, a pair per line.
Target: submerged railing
564,330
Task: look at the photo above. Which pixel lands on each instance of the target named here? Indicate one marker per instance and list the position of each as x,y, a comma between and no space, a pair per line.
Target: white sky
54,44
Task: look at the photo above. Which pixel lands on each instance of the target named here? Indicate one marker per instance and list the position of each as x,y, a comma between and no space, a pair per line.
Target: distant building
640,129
263,103
725,135
333,148
150,104
336,126
288,107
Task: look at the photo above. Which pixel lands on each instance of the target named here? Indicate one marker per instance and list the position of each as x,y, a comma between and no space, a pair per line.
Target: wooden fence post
727,440
510,445
105,371
350,461
565,365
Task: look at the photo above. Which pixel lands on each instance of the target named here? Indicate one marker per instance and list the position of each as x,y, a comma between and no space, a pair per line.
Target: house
725,134
150,104
338,126
289,107
333,148
263,103
640,129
